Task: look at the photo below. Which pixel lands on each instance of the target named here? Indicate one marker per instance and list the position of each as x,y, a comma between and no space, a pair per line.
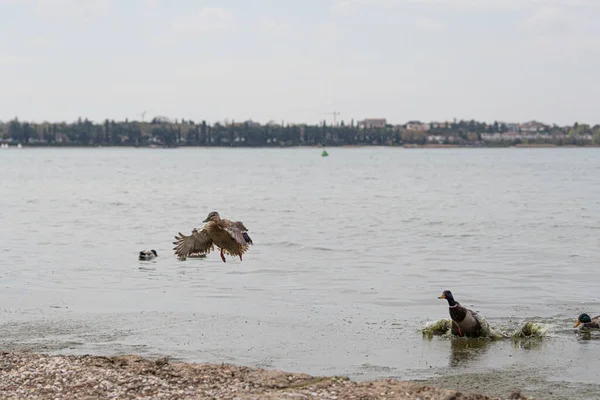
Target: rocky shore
39,376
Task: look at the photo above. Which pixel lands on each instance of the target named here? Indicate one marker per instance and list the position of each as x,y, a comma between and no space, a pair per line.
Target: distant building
417,126
512,136
435,139
512,127
532,127
372,123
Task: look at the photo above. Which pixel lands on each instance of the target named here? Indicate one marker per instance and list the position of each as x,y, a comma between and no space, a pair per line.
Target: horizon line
228,121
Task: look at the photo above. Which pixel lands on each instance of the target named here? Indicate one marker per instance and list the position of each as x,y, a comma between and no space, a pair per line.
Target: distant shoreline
520,145
164,132
406,146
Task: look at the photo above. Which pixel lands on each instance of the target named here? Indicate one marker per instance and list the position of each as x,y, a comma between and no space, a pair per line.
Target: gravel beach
39,376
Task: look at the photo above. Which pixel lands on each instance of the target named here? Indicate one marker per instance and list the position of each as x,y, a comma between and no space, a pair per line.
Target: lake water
350,254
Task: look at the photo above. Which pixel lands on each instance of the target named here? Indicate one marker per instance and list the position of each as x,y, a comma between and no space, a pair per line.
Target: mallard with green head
230,236
465,321
587,322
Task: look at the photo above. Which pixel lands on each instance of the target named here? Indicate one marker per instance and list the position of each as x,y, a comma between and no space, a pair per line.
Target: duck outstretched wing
238,232
199,242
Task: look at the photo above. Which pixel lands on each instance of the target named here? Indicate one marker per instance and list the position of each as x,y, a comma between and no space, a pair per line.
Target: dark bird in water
231,237
465,322
588,322
147,254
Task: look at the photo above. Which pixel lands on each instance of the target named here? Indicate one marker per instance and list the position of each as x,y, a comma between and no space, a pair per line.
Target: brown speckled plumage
230,236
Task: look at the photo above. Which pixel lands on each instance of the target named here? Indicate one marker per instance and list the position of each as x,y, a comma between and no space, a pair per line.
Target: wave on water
303,247
525,329
588,334
437,328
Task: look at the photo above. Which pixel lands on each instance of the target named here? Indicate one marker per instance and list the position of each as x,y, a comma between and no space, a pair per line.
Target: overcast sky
296,61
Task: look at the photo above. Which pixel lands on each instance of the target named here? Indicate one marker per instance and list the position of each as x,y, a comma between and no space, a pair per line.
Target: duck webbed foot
222,256
457,329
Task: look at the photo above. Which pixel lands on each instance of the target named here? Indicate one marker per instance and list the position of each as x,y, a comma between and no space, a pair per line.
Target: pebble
40,376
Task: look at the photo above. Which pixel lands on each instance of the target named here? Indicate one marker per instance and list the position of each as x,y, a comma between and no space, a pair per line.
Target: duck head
147,254
213,216
448,296
582,319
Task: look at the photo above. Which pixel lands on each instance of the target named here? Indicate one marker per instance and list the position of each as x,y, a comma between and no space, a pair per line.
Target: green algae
530,330
526,329
437,328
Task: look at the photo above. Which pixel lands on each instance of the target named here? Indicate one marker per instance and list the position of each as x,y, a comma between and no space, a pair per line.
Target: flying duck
231,237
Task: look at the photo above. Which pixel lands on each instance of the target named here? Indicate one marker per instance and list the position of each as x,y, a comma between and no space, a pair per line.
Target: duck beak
206,220
443,296
577,324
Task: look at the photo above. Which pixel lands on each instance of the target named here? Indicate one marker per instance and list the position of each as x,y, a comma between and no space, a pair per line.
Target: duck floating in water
147,254
588,322
231,237
465,322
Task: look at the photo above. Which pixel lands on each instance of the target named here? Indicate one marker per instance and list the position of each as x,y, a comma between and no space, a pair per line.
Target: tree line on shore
166,133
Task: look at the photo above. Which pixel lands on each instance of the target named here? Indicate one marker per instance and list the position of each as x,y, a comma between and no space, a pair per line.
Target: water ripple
341,245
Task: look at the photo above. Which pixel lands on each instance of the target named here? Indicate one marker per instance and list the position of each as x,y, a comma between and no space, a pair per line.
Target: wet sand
36,376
